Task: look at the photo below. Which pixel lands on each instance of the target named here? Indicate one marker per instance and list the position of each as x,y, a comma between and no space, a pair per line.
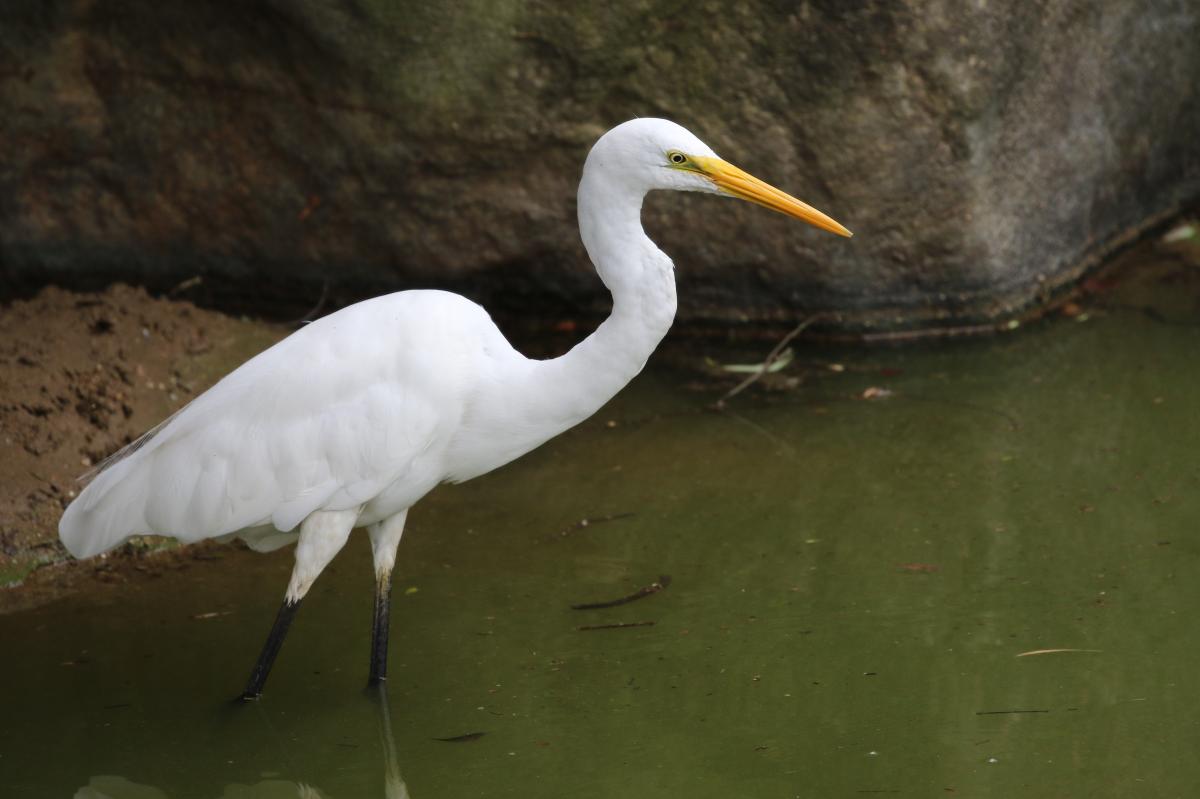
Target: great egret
352,419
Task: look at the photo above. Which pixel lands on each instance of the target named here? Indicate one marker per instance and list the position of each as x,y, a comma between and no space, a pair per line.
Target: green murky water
852,582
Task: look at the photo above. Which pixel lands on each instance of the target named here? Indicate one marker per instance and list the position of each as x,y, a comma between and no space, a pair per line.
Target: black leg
379,629
266,658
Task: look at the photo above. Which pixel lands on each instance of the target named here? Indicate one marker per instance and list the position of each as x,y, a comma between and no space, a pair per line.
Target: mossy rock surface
984,154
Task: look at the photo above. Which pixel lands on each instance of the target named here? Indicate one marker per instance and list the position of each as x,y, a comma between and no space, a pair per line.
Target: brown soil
80,376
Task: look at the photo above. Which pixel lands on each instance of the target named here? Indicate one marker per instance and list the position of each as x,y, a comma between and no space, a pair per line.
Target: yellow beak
743,185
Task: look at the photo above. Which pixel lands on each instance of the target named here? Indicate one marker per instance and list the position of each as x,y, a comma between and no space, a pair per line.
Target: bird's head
658,154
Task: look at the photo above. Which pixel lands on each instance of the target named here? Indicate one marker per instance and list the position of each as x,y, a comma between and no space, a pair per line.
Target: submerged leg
262,666
385,538
322,536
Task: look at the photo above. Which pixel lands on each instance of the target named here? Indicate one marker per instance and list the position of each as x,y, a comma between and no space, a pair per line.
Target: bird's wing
326,419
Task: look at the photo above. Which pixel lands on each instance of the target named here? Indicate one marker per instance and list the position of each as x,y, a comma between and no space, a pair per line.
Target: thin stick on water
654,587
772,356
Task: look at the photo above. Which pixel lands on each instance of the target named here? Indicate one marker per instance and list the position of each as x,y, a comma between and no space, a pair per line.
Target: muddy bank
82,375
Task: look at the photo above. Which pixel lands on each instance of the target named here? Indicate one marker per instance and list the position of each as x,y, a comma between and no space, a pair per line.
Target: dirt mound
80,376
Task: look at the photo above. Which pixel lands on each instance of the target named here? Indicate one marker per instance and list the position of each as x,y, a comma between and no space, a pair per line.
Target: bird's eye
676,157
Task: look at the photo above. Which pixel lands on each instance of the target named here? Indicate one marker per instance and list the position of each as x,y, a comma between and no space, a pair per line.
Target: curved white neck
544,398
641,278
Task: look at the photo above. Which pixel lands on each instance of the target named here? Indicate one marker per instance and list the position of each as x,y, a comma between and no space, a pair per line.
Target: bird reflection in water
113,787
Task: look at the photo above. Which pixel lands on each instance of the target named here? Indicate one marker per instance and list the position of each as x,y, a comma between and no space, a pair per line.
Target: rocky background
985,154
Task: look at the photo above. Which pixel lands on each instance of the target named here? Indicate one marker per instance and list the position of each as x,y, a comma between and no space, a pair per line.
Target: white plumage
349,421
358,408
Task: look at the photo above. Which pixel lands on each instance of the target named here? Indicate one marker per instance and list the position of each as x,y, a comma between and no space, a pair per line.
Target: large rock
984,153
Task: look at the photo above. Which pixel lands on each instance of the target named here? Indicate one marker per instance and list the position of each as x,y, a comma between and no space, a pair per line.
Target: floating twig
617,626
1056,651
654,587
765,366
461,739
783,360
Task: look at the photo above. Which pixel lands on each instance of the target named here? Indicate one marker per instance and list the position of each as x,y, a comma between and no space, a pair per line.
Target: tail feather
106,514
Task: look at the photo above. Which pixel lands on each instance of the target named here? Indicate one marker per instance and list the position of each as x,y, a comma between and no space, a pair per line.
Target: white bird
352,419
